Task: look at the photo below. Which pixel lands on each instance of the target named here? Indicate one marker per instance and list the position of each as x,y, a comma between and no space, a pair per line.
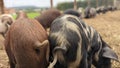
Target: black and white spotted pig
73,12
100,53
74,44
89,12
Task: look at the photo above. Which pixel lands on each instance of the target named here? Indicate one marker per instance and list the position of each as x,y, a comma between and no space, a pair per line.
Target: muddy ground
108,25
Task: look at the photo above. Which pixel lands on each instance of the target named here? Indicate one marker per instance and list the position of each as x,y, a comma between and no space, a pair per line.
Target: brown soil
108,25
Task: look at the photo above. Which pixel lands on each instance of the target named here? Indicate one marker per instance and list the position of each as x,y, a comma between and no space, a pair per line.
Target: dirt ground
108,25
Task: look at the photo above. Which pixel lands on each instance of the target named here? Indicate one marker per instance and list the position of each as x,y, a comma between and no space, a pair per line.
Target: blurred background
12,6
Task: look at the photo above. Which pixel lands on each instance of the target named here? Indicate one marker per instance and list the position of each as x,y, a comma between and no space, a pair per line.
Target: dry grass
108,25
3,56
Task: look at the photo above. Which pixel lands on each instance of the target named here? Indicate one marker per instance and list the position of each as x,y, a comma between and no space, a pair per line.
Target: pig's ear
109,53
